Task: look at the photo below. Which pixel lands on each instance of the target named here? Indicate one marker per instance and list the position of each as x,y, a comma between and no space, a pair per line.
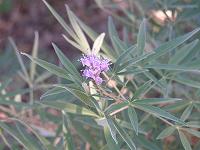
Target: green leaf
177,106
116,107
186,81
69,107
85,135
134,61
113,34
111,128
21,62
187,112
153,101
82,39
53,91
183,52
132,71
45,143
124,136
50,67
142,90
146,143
34,55
156,111
141,38
4,84
110,142
93,35
169,46
133,118
68,138
184,141
193,132
67,63
61,21
171,67
97,44
123,57
81,95
17,136
166,132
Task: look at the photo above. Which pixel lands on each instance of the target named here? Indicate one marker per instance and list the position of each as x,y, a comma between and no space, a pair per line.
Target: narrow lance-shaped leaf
123,57
82,39
182,52
67,63
187,112
186,81
124,136
97,44
166,132
112,129
15,135
157,112
50,67
81,95
69,107
169,46
34,55
193,132
110,142
184,141
154,101
141,38
61,21
113,34
133,118
171,67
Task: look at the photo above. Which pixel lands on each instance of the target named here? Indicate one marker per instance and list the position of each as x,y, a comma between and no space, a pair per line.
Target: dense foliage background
149,99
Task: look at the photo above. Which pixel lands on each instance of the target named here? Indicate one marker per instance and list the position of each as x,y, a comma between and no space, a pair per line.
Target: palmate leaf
169,46
69,107
93,36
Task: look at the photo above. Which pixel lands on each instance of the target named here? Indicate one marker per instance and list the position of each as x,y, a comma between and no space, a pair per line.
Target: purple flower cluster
94,66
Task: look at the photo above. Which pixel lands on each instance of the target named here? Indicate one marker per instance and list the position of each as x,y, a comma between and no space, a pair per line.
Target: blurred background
19,19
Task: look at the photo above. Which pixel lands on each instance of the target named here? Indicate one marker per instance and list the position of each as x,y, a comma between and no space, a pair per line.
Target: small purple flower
94,66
